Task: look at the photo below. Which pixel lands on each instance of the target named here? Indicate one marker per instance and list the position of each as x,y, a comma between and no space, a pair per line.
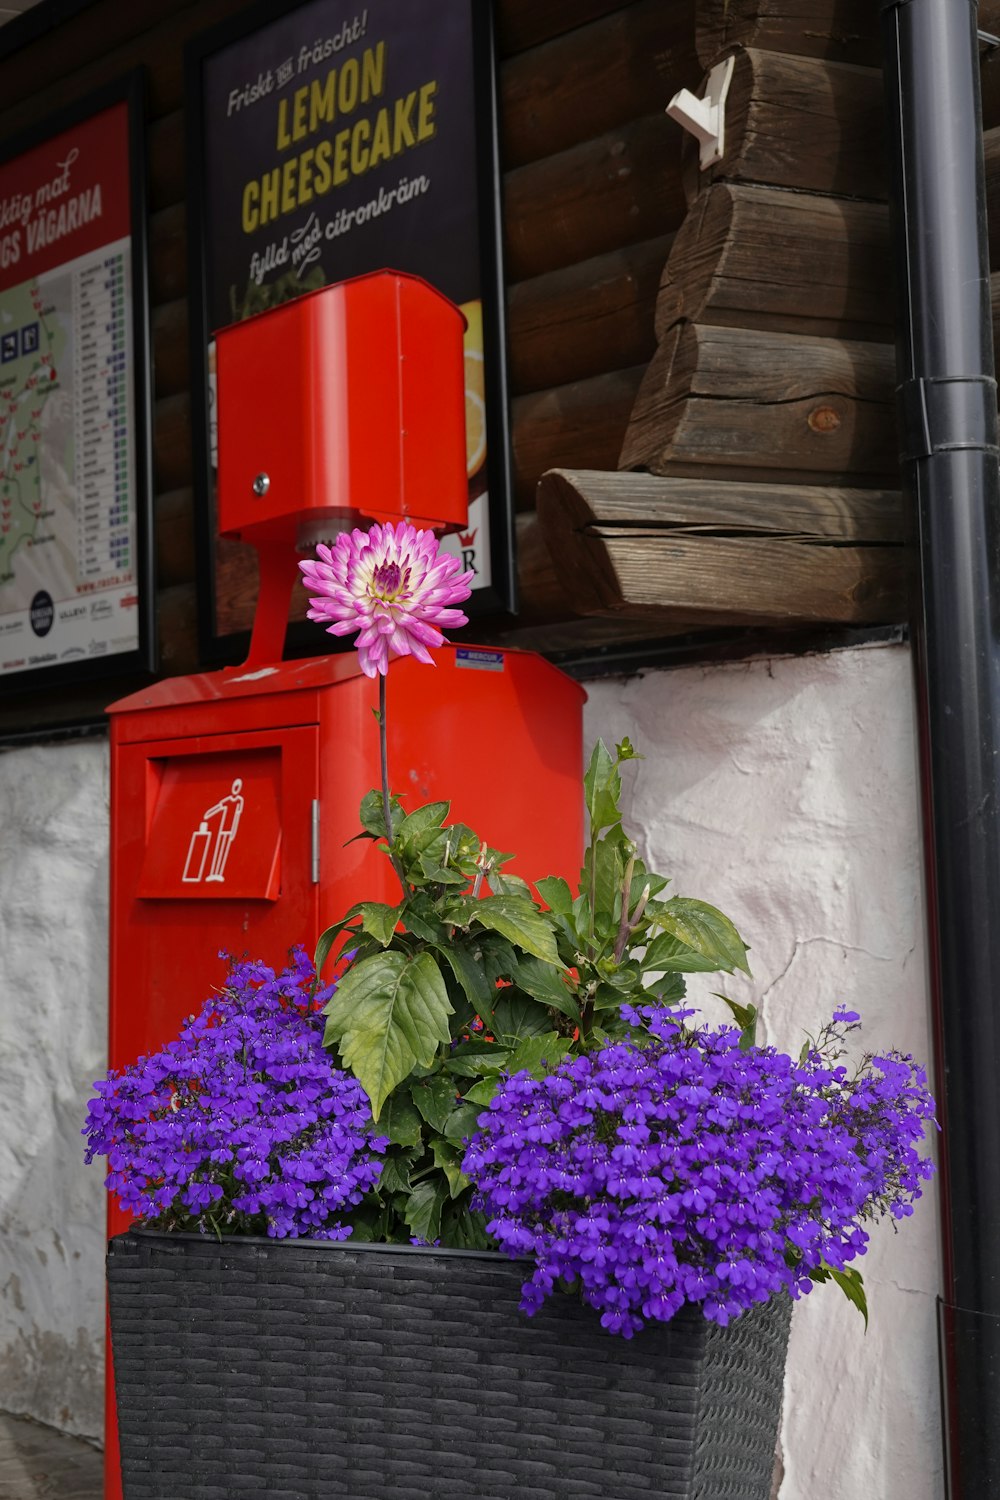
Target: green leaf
667,954
547,985
430,816
668,990
496,859
423,1211
705,930
449,1160
465,847
514,917
365,1227
509,885
463,1229
444,856
745,1017
463,1122
469,973
395,1176
330,936
581,923
435,1099
538,1055
497,957
641,877
476,1064
483,1091
380,920
853,1288
434,870
608,997
372,816
388,1013
421,918
625,977
608,860
515,1016
400,1121
602,789
556,894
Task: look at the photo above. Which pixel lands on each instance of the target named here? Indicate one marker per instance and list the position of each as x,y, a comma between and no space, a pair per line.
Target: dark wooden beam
596,78
617,190
701,552
839,30
741,402
527,23
757,257
587,418
800,122
582,320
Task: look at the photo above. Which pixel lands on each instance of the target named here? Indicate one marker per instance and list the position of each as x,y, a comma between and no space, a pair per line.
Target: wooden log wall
592,193
774,365
766,417
729,327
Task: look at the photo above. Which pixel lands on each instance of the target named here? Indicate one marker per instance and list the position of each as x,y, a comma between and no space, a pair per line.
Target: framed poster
328,140
76,588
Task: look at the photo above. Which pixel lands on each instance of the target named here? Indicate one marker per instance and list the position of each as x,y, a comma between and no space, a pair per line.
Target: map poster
333,139
70,460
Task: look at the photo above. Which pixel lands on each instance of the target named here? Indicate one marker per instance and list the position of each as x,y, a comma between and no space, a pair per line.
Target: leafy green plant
619,939
468,978
432,1008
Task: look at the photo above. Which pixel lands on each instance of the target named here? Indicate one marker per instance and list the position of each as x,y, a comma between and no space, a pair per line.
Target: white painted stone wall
785,792
53,1024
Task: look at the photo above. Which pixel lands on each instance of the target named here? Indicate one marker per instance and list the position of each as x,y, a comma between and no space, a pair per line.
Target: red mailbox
235,794
365,388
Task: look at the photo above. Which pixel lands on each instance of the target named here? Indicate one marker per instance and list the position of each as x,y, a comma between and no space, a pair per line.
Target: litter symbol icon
212,840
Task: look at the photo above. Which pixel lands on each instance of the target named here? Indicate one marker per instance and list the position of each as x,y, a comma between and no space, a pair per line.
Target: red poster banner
66,197
75,596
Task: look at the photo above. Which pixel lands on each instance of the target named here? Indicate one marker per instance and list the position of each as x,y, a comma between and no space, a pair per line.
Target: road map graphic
67,430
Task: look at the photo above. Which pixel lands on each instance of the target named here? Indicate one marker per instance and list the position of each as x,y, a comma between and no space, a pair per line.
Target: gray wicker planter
303,1370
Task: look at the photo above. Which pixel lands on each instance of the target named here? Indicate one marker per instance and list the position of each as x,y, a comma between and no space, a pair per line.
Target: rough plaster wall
53,1018
785,792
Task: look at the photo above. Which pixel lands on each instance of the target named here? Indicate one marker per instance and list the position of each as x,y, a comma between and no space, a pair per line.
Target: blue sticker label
483,661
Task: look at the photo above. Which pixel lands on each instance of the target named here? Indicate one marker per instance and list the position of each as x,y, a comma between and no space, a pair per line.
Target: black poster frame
130,90
215,647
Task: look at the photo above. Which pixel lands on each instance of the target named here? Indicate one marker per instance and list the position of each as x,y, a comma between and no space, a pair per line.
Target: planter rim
303,1242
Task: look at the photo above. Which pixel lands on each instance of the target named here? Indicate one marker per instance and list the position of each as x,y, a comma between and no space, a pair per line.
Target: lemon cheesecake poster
339,139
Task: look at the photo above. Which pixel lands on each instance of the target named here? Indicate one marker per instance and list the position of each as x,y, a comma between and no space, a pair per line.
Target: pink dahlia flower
393,586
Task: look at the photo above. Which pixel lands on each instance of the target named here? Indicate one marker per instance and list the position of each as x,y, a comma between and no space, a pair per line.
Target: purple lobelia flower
393,585
242,1124
678,1166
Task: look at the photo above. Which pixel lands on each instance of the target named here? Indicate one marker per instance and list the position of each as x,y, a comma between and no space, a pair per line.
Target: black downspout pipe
948,434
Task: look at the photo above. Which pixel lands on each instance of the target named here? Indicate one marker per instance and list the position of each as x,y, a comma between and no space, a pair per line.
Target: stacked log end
759,471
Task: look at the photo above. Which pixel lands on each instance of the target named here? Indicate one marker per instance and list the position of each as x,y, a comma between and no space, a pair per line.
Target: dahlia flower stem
383,745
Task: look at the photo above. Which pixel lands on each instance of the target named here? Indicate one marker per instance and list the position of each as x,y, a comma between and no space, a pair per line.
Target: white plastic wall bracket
706,118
